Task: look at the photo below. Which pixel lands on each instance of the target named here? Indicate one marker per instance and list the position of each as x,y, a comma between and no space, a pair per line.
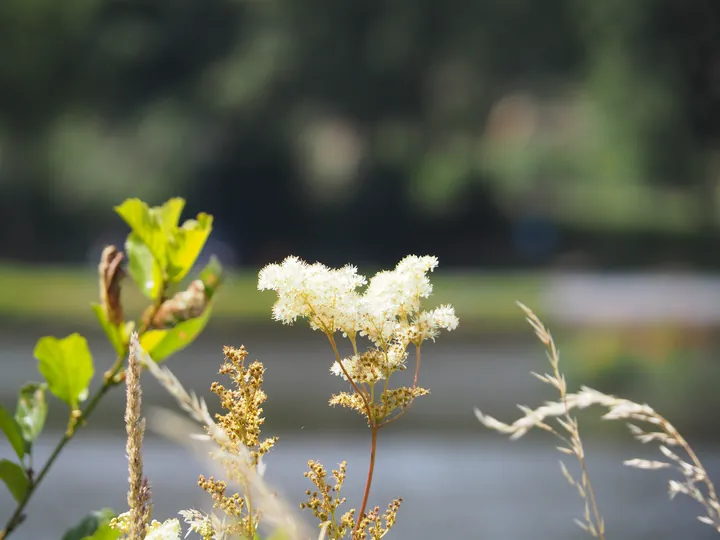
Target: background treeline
490,133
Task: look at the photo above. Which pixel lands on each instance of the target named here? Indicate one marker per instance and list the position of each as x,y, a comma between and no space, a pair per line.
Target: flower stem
371,469
371,419
414,387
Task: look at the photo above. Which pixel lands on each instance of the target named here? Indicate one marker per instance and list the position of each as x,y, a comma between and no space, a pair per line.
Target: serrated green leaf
144,268
147,226
31,411
14,478
212,276
94,526
67,366
186,244
115,334
12,431
160,344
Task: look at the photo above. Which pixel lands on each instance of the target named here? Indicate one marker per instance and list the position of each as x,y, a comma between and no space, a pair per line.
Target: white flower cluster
388,312
168,530
325,296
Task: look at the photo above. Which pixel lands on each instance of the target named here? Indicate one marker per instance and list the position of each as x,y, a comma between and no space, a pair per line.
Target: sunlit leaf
94,526
143,267
278,534
31,411
14,478
115,334
169,214
160,344
186,245
147,226
212,276
67,366
12,431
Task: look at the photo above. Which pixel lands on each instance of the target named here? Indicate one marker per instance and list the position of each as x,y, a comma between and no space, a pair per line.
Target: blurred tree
318,127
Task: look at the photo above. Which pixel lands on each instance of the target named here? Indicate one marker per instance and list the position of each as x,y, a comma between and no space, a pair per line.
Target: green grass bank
56,294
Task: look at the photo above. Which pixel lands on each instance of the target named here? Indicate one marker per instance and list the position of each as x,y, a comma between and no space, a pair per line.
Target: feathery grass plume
223,442
694,479
388,313
569,432
139,493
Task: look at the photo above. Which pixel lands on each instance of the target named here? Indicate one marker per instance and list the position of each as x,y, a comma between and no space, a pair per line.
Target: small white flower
122,522
336,369
168,530
444,317
198,523
396,356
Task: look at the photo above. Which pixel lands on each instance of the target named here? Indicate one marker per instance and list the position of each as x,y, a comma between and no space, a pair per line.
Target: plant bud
185,305
110,275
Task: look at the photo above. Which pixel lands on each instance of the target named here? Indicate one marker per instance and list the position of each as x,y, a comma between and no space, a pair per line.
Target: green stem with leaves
17,517
109,381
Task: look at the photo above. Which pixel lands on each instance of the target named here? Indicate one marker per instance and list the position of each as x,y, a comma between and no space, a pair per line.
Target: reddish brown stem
371,419
371,470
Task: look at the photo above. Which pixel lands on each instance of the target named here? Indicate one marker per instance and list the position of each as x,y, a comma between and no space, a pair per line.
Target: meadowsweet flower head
327,297
428,324
401,289
330,300
168,530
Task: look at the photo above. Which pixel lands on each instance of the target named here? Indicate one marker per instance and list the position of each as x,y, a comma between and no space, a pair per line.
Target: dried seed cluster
244,417
326,499
374,525
241,428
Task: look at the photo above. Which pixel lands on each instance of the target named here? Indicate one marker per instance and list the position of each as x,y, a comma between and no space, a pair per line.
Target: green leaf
169,214
160,344
67,366
143,267
117,335
14,478
186,245
212,276
94,526
31,411
12,431
146,223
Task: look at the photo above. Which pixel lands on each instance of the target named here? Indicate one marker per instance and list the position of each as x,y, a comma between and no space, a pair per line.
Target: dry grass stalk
139,491
695,482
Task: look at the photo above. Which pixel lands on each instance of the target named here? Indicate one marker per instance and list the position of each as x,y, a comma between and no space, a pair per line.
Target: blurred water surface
453,487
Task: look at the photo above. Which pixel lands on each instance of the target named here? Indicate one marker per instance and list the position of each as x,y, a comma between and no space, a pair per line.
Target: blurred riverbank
490,372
